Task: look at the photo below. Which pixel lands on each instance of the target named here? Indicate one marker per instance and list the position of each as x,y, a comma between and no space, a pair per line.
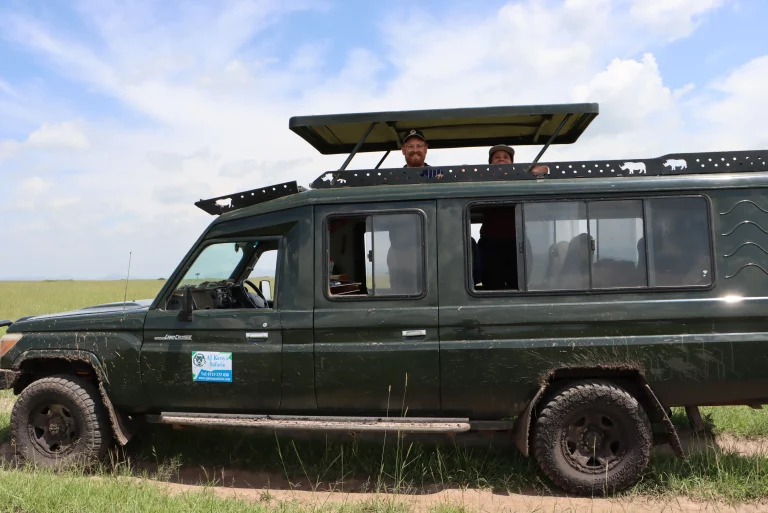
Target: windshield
219,262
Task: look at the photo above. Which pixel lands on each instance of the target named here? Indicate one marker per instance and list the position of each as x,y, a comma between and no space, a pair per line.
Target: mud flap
122,427
674,440
523,424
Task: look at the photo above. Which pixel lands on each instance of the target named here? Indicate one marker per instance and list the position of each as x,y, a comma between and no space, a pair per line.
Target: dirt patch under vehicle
274,488
480,501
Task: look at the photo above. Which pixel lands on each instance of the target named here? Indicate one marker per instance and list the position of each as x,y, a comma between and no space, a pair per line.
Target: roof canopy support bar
357,146
552,138
382,160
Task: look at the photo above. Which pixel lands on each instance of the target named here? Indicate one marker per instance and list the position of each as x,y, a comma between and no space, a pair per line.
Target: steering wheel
256,289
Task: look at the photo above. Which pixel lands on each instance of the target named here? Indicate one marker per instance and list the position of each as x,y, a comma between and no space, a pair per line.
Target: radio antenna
128,277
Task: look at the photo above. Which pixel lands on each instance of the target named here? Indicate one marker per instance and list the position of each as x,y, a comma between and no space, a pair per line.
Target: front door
228,357
376,321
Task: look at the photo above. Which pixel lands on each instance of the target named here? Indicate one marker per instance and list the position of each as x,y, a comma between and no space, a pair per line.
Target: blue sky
116,116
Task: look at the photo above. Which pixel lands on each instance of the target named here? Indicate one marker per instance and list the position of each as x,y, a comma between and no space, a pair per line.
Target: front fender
123,427
69,355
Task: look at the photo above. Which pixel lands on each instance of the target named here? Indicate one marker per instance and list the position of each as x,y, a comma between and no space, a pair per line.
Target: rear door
376,319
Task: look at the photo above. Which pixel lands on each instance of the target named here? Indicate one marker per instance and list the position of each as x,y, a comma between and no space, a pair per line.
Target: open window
494,247
376,255
231,275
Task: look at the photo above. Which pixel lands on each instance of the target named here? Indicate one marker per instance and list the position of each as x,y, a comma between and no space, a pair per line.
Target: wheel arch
631,378
39,363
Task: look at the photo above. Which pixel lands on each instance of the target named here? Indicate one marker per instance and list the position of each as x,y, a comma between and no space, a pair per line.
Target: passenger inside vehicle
494,263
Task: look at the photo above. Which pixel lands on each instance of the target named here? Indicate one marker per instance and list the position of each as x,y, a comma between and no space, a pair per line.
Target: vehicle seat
498,250
557,253
611,273
575,271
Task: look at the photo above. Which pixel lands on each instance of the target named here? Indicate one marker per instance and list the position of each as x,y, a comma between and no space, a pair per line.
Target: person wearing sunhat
503,154
414,150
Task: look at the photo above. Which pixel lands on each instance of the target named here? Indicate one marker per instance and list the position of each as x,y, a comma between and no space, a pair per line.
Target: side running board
403,424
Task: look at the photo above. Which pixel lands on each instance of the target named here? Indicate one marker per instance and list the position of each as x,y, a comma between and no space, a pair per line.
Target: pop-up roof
446,128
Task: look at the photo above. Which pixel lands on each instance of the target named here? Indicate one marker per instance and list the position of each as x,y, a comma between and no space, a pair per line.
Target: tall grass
22,298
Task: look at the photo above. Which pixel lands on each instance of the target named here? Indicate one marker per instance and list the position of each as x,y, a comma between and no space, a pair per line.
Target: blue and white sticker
212,366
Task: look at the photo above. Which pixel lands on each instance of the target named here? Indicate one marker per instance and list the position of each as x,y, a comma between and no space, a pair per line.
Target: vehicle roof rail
238,200
671,164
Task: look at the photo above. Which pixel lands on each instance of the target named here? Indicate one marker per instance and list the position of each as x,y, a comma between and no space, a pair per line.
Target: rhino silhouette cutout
673,164
632,167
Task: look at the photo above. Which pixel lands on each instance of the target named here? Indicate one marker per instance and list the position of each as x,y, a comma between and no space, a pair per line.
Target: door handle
261,335
414,333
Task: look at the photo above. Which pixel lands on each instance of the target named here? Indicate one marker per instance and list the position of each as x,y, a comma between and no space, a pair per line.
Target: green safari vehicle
582,304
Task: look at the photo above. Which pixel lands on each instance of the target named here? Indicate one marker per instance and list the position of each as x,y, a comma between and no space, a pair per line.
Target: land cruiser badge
211,366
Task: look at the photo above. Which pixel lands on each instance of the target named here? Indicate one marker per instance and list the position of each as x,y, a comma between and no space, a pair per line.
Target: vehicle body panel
112,336
363,360
702,346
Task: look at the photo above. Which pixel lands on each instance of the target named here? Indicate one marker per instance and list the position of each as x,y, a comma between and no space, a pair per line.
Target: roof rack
672,164
446,128
238,200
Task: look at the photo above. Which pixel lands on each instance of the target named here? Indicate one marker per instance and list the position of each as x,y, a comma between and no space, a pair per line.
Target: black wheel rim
595,440
53,429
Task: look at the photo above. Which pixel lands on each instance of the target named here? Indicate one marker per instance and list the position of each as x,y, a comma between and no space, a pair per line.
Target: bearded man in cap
414,150
503,154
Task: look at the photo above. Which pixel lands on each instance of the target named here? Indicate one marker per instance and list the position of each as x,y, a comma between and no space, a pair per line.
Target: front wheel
60,420
593,438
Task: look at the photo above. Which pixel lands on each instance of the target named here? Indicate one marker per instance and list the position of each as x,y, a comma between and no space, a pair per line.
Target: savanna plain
169,470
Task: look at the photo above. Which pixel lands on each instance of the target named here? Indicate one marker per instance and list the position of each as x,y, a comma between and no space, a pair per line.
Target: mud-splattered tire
60,421
593,438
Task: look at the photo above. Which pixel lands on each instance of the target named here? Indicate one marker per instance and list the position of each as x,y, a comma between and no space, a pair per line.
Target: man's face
501,157
415,151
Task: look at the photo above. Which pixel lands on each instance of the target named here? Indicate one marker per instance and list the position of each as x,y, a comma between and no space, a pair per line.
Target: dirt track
273,488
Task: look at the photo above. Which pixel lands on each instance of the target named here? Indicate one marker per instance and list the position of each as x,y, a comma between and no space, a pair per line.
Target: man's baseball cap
501,147
414,133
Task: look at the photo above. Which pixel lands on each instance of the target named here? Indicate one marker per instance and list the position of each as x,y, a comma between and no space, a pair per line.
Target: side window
679,242
577,245
376,255
494,251
231,275
619,252
559,245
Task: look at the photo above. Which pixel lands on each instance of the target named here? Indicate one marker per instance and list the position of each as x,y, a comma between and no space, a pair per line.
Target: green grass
22,298
44,491
740,421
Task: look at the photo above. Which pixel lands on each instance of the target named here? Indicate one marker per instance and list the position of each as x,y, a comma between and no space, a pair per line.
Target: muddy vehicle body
583,304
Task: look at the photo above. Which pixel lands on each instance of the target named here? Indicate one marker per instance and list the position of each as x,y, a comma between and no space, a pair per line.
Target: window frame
225,240
522,201
368,213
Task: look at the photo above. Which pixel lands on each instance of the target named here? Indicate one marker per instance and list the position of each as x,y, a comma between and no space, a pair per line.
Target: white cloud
736,117
61,135
34,187
217,114
672,19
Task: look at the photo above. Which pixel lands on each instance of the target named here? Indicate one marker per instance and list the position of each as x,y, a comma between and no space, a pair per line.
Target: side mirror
266,289
185,314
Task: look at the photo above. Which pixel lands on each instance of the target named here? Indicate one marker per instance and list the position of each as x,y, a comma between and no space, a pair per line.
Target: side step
355,424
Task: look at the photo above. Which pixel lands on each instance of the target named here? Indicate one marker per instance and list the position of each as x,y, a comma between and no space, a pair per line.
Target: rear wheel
593,438
60,420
